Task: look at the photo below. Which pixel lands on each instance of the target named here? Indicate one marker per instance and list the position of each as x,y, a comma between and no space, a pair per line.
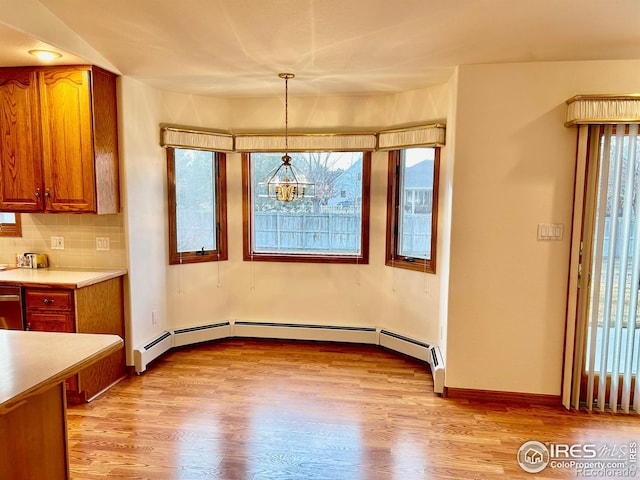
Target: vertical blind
613,332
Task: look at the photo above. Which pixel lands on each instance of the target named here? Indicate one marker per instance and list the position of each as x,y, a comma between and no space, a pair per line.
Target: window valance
196,139
601,109
421,136
418,136
330,142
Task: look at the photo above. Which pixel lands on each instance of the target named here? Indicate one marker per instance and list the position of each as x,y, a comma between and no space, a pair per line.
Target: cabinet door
50,322
68,160
20,145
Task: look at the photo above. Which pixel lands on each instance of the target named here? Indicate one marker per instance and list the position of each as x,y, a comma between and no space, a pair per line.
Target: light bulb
46,55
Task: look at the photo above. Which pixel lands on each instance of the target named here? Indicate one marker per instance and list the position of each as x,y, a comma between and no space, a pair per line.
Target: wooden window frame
247,203
392,258
220,186
12,229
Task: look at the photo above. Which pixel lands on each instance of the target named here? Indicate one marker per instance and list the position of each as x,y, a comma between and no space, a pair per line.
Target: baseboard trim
101,392
495,396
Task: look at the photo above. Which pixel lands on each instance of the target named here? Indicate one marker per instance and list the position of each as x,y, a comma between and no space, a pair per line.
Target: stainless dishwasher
11,311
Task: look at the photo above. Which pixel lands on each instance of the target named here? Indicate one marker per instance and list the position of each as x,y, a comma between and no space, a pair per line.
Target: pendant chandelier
286,183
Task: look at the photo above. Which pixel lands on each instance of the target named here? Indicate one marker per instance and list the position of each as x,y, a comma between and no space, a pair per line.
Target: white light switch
57,243
550,231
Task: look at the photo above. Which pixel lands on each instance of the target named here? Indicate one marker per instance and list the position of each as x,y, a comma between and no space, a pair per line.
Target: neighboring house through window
197,206
412,208
331,226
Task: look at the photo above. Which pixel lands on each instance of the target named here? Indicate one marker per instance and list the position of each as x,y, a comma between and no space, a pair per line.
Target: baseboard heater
151,350
294,331
417,349
179,337
201,333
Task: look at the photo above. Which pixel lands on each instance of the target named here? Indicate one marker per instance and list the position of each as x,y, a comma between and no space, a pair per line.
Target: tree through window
197,206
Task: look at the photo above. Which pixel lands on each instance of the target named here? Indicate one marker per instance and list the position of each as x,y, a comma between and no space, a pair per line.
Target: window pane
330,223
10,225
614,303
195,200
416,202
7,217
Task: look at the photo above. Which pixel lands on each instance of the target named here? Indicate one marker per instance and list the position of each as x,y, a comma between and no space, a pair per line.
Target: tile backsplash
79,232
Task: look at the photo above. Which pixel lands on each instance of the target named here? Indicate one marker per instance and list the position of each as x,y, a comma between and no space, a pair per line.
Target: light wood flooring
276,410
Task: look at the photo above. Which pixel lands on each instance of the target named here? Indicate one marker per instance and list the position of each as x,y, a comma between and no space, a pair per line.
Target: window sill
196,258
306,258
415,265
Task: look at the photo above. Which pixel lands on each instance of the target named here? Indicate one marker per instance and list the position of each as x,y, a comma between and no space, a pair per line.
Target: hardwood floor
259,409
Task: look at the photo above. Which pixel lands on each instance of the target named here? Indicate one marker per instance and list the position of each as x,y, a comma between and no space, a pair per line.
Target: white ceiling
15,45
237,47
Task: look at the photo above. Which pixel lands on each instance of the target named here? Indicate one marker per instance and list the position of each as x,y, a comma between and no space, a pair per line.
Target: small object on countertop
39,260
23,260
32,260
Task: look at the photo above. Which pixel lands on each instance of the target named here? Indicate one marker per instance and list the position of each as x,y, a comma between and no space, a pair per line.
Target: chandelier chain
286,115
284,183
286,77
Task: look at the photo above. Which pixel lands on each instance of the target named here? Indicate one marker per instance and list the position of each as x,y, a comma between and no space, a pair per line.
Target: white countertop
31,362
57,277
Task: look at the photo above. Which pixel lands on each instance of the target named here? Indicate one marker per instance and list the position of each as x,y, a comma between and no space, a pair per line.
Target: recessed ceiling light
45,54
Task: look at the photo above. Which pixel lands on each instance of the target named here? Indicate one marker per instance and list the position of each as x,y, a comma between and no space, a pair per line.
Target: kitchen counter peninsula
57,277
33,369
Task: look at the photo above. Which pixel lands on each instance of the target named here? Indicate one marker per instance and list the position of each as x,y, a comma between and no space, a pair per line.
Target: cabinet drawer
58,300
50,322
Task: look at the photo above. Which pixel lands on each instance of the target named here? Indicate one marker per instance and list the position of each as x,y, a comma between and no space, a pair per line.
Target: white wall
369,113
144,200
331,294
447,162
514,168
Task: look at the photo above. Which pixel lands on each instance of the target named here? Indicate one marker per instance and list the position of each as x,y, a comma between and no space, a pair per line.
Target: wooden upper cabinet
68,163
76,132
20,142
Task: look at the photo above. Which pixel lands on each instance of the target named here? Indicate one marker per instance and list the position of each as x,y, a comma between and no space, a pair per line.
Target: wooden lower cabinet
98,308
34,438
50,322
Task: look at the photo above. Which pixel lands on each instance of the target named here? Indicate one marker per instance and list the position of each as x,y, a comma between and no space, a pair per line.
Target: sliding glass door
611,261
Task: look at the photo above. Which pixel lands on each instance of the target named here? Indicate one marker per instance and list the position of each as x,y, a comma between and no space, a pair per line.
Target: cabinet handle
47,193
9,298
28,326
47,300
37,193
